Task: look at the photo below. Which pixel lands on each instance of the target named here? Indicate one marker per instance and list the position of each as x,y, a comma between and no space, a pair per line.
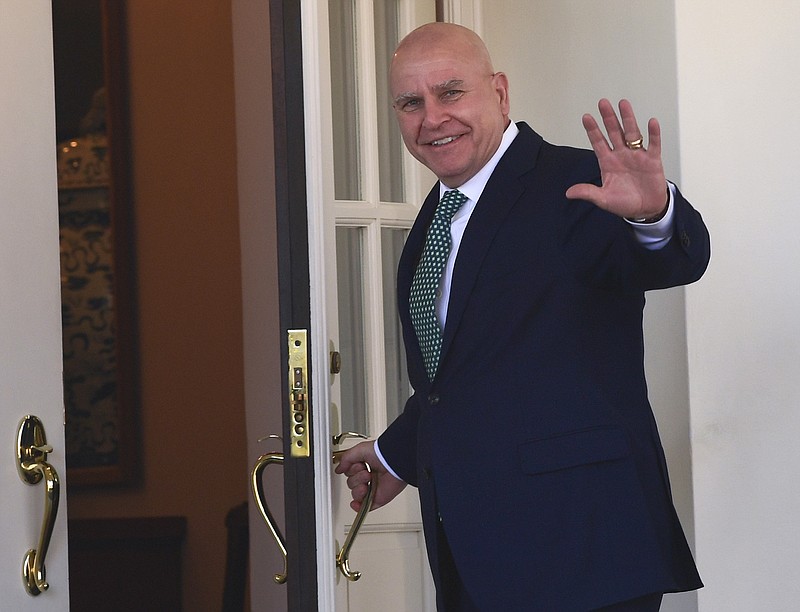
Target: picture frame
101,370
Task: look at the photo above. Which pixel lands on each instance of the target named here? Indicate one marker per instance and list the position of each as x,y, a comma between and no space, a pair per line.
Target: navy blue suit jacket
536,443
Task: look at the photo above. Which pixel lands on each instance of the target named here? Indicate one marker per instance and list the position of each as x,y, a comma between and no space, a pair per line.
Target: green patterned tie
425,286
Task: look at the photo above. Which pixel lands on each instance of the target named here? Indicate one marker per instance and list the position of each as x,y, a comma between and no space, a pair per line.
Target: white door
30,302
364,191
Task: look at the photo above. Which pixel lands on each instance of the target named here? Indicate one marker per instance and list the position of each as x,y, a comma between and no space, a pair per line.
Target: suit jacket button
427,472
433,399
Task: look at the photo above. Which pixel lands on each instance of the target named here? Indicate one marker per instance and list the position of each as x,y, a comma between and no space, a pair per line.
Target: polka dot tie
425,286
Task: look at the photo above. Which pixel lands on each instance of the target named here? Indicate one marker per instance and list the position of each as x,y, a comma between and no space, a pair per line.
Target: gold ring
635,144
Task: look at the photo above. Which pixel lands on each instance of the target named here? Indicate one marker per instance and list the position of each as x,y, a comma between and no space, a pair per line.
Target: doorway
191,421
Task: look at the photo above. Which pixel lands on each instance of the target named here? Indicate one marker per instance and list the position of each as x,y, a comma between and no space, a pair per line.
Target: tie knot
451,201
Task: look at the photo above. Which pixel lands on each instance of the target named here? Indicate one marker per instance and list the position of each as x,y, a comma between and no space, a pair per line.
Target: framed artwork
101,383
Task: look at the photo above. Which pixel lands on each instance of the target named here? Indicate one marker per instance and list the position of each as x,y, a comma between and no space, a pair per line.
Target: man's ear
500,84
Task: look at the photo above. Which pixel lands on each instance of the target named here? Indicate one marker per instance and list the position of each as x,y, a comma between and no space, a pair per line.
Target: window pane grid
369,211
390,144
352,336
344,96
397,385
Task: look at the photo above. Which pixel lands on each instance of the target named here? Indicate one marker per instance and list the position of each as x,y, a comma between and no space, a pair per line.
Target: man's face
452,112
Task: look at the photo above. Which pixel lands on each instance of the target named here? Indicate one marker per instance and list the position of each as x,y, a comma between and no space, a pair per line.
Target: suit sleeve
398,443
604,251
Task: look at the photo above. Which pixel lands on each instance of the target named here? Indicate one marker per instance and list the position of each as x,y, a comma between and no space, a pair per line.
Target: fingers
613,127
359,483
353,464
630,127
344,463
654,137
358,455
595,135
585,191
622,129
359,478
359,494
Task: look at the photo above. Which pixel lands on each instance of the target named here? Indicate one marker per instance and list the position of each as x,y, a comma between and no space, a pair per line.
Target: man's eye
410,105
452,93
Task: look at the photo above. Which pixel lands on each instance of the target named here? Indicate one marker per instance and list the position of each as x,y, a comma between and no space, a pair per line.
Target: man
529,435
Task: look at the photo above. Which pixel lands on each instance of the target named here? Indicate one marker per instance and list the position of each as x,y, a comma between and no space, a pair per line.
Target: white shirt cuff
383,461
654,236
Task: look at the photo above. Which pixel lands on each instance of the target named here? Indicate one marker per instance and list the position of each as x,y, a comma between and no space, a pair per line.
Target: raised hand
633,181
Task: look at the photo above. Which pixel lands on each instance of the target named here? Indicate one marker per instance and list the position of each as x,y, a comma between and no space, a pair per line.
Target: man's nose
435,114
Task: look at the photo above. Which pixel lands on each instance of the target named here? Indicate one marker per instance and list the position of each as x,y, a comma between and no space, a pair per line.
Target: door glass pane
390,144
397,385
344,96
350,285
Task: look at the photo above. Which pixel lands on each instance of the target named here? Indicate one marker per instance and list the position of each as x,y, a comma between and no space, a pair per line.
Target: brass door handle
343,557
32,449
257,486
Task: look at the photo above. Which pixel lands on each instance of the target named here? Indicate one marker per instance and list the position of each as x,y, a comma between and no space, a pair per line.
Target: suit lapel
498,198
501,193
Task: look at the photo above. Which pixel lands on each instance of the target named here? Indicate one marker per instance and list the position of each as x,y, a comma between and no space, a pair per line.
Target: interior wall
264,371
194,459
561,57
739,85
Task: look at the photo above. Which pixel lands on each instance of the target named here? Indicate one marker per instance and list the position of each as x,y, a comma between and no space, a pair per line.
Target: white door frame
318,119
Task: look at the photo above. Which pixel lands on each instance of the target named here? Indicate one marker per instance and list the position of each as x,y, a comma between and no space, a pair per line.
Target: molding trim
468,13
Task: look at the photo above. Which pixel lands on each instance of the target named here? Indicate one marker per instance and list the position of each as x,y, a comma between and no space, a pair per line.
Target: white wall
739,85
561,57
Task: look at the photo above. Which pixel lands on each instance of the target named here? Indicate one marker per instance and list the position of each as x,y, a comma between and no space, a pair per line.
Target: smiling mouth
444,141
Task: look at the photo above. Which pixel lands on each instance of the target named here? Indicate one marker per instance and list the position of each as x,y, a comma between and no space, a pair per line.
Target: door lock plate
299,424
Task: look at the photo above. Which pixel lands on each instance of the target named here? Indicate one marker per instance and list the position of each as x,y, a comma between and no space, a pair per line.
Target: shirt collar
474,187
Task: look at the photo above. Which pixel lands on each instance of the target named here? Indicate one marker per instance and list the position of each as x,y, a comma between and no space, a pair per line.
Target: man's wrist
655,236
655,218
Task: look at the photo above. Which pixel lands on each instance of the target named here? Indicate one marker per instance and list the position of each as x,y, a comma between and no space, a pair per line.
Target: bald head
438,37
452,107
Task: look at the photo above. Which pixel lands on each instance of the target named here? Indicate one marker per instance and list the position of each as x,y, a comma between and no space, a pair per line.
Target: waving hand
633,181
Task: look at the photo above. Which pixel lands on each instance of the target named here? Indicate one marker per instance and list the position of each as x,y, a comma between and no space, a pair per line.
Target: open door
32,489
346,195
